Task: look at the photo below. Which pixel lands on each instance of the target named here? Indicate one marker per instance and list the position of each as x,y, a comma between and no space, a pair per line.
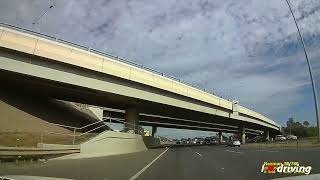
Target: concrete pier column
242,135
154,130
220,137
132,119
267,135
235,108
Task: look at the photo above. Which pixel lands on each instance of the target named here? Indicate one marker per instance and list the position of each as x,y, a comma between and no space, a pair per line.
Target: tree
299,129
306,123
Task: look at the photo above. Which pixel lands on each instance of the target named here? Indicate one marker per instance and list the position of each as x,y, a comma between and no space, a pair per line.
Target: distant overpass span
42,64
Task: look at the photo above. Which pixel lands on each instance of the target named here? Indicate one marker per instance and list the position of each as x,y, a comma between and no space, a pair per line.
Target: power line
37,20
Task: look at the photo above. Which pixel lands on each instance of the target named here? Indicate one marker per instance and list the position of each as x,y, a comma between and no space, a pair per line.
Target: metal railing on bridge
80,134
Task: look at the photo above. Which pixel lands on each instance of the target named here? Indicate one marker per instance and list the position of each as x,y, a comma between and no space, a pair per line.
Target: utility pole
315,98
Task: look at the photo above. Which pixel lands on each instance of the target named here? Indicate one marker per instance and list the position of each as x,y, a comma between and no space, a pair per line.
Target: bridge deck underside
152,113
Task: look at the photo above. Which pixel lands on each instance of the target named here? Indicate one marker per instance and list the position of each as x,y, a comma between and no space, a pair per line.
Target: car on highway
214,142
195,141
210,141
234,143
292,137
183,141
280,138
207,141
201,141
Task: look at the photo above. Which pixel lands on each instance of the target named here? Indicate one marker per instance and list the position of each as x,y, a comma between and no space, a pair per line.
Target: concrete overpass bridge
35,63
178,123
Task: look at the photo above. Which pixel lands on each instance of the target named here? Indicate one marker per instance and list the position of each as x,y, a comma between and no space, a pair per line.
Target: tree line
298,129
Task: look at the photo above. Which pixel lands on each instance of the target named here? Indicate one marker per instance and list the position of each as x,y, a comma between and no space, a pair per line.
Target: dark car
208,141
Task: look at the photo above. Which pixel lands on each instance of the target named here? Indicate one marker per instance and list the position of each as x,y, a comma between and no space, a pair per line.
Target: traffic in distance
231,141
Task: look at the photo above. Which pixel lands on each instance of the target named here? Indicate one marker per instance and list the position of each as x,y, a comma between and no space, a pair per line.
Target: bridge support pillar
267,135
220,137
132,120
154,130
242,135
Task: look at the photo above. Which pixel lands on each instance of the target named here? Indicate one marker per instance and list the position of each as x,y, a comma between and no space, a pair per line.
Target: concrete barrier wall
98,112
68,54
57,146
151,142
111,143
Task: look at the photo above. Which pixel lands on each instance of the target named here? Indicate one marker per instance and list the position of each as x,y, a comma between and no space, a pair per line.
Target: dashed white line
234,151
147,166
265,150
199,154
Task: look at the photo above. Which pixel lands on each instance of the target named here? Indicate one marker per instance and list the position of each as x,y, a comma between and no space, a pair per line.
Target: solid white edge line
147,166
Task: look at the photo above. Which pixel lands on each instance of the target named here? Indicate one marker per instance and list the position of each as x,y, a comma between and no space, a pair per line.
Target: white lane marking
147,166
234,151
265,150
199,154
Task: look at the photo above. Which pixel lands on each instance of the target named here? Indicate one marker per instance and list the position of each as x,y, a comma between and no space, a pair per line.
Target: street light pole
310,72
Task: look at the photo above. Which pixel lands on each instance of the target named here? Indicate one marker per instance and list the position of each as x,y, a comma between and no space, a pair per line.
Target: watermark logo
285,167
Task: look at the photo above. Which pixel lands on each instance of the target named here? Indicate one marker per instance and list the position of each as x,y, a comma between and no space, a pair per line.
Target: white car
280,138
293,137
234,143
195,141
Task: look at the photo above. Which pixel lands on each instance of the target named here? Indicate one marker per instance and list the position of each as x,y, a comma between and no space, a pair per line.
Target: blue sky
246,50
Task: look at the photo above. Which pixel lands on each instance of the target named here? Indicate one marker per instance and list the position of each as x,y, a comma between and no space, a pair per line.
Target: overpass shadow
26,112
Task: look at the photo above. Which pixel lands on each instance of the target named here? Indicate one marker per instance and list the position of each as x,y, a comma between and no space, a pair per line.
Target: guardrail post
41,141
74,136
42,135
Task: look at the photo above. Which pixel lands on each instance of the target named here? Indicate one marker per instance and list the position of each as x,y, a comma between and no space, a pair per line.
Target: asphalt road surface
205,162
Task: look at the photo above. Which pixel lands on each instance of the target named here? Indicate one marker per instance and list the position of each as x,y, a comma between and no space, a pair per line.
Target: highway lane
226,163
206,162
109,167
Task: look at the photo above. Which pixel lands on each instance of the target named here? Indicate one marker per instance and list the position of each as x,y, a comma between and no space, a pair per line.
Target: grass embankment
303,142
30,139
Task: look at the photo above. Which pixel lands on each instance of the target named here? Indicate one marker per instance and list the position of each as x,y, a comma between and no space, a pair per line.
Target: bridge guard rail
80,136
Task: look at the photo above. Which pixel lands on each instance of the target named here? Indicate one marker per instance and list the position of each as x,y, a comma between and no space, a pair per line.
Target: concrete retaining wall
56,146
109,143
